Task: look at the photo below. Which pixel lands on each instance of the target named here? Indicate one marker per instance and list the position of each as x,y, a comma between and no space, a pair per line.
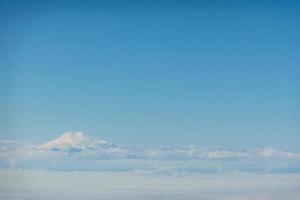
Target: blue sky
140,72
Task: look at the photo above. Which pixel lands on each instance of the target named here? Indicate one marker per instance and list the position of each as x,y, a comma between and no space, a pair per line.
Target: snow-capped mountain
77,141
78,144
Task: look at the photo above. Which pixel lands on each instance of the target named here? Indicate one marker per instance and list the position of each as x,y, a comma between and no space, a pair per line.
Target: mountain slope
75,142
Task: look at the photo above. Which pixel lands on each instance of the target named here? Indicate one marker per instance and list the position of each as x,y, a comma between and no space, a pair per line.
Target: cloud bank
57,185
79,146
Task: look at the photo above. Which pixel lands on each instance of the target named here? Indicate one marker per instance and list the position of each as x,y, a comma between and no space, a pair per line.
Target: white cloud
58,185
80,146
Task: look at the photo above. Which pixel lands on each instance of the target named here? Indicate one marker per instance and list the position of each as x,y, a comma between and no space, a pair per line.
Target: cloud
56,185
275,153
79,146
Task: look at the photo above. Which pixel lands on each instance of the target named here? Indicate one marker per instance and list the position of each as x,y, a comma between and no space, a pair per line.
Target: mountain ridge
75,141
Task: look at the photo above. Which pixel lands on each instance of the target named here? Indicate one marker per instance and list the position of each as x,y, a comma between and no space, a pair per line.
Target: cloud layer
78,146
57,185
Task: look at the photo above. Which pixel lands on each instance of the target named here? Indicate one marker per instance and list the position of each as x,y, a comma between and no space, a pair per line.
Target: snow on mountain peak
75,141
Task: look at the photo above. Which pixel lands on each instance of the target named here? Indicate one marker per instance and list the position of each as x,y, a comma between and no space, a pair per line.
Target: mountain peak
75,141
73,137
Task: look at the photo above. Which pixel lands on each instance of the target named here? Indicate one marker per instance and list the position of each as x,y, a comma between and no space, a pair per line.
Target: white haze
54,185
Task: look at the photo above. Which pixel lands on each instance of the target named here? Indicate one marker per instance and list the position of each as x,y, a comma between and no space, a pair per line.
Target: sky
152,72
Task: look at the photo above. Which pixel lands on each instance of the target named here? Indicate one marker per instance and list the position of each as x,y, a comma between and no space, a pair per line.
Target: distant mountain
81,145
75,142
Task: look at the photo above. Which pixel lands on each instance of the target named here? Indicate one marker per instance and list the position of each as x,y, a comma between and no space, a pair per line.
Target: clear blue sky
213,73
